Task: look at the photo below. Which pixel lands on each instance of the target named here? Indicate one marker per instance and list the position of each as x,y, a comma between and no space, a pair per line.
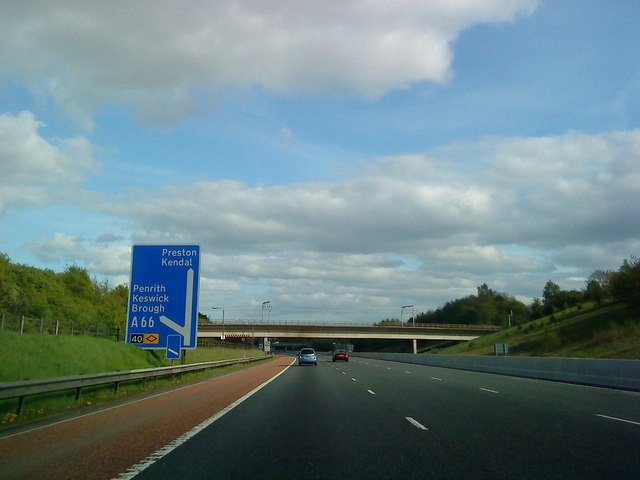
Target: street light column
414,342
413,317
266,306
222,337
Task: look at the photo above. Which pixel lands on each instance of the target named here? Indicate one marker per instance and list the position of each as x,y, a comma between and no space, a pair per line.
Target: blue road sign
163,295
174,344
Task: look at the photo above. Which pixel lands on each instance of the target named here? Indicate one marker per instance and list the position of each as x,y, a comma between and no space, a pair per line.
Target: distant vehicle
340,354
307,355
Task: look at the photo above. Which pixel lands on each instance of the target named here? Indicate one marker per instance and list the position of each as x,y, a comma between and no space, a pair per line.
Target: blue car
307,355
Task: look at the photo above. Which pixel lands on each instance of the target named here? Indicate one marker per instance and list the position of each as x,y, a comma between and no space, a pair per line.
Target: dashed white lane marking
353,379
371,392
343,373
407,372
488,390
388,368
618,419
416,423
436,378
158,454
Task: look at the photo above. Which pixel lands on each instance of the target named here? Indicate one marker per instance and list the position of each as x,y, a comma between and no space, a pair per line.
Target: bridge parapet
305,330
436,326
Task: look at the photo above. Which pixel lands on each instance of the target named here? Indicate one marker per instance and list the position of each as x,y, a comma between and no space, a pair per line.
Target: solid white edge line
617,419
416,423
134,470
120,405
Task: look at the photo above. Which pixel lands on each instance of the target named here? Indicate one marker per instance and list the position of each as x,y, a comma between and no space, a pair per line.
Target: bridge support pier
415,346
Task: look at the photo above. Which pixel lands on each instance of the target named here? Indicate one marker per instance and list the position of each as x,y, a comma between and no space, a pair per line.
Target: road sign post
500,349
163,296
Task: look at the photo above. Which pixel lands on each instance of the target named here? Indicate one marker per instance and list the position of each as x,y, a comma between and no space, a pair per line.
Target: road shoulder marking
415,423
617,419
134,470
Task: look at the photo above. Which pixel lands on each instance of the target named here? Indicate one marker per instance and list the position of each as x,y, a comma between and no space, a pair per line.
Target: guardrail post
23,389
117,388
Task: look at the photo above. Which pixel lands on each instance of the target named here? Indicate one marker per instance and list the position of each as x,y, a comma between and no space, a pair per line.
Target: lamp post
221,308
413,317
266,306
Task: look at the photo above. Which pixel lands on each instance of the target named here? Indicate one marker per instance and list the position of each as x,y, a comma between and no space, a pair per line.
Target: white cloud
33,170
538,192
112,261
164,56
511,213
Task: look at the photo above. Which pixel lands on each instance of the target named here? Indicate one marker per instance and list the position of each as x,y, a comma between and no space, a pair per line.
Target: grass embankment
31,356
27,356
609,331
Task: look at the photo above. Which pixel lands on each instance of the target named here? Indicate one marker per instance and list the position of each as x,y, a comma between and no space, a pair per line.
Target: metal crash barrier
25,388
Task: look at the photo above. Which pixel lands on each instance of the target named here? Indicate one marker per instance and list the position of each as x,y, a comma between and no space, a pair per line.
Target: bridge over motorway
344,331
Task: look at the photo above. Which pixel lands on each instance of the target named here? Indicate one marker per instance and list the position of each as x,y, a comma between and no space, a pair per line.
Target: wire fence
208,342
23,324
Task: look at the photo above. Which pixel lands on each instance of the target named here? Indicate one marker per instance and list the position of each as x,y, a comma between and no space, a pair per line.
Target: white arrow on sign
185,330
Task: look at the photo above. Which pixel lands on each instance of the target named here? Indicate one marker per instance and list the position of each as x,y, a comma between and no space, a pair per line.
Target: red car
340,354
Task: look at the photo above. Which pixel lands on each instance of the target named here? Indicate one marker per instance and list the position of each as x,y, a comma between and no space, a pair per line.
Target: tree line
488,307
73,296
69,296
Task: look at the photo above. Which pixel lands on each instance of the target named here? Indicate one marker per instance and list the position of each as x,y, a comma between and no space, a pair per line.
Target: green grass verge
609,331
29,356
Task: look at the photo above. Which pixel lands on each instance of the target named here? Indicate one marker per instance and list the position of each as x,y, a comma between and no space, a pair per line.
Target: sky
339,159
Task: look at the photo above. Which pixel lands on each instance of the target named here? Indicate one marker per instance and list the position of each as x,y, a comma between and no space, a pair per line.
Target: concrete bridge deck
303,330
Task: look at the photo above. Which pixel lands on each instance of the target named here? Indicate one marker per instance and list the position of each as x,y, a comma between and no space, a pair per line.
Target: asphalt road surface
363,419
375,419
99,443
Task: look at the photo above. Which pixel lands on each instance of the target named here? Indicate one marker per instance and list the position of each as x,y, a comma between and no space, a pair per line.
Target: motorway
363,419
376,419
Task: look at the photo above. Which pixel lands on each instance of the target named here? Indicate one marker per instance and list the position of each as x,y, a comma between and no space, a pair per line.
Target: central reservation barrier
620,374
